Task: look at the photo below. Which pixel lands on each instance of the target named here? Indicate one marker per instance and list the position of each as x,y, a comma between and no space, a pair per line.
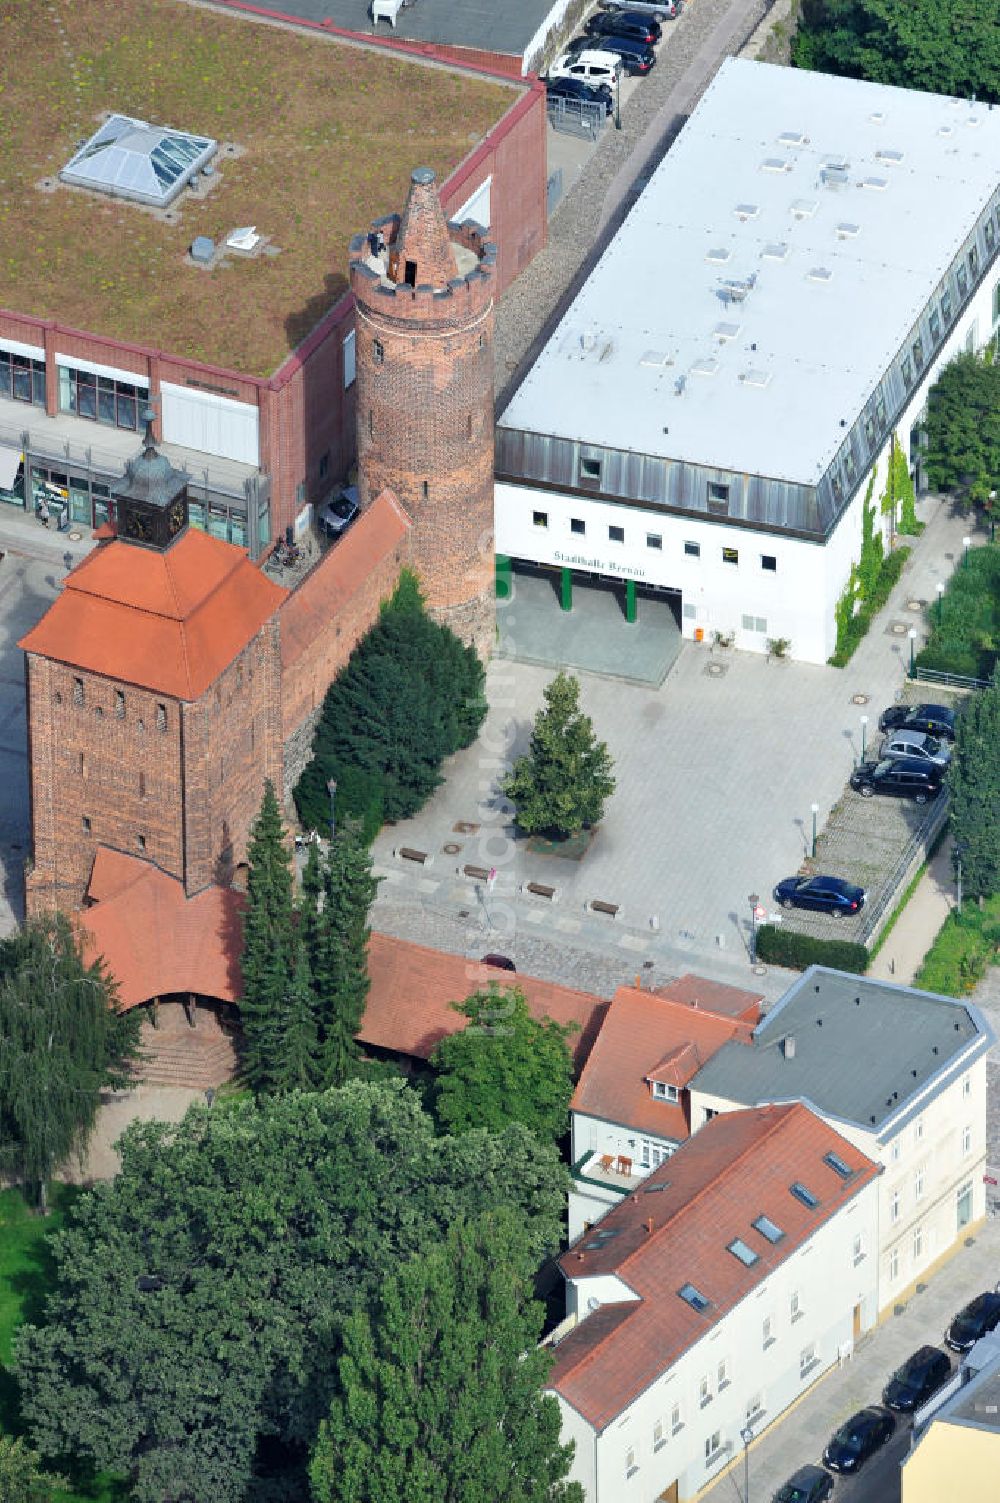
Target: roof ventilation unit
588,341
877,117
788,1046
736,289
202,250
835,174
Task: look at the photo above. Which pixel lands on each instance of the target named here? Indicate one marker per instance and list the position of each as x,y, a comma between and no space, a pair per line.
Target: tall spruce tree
567,777
439,1393
974,780
340,973
268,956
410,695
296,1063
62,1042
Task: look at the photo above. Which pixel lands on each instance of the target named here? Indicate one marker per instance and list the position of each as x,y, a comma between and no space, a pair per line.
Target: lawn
327,136
966,945
25,1275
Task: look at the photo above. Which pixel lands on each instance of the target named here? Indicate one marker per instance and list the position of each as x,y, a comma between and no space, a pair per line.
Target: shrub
786,947
965,629
966,944
852,628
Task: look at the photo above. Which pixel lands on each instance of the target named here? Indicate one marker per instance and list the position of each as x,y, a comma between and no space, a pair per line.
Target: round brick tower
424,295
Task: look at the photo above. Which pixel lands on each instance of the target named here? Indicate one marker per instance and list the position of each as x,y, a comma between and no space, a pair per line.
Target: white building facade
713,409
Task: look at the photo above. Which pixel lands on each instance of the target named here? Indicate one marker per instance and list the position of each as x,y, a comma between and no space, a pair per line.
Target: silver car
916,744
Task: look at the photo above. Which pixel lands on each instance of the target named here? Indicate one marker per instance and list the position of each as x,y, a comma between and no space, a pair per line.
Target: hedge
786,947
965,626
856,627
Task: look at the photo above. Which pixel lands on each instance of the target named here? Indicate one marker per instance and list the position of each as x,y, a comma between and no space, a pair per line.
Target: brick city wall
115,765
323,620
232,743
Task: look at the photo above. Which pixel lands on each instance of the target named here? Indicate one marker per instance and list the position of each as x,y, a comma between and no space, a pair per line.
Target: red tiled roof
713,996
736,1168
154,939
341,573
640,1030
167,621
412,988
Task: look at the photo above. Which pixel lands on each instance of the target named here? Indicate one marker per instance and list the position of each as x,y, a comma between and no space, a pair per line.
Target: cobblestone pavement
799,1438
715,781
688,58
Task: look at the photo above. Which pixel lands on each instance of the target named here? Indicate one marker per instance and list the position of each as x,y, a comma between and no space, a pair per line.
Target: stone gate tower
424,293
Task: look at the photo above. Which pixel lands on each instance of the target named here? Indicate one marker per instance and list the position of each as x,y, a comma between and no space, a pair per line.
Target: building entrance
568,619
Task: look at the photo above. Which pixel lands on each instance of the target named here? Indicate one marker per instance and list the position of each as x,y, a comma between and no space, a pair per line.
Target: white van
592,66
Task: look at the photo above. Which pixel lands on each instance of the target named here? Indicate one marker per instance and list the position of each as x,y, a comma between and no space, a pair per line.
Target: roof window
706,367
694,1298
746,211
775,250
768,1230
758,378
836,1163
720,254
803,1193
803,208
876,184
847,231
776,164
891,158
793,138
745,1254
820,274
726,332
655,358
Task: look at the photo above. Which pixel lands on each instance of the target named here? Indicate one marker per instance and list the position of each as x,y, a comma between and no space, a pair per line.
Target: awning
10,463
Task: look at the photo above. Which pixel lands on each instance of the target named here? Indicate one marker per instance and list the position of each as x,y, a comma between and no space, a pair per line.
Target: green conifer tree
566,778
268,955
295,1065
974,780
340,974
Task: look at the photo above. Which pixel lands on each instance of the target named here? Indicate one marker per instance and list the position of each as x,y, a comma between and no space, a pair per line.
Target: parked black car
810,1484
576,88
625,23
636,56
904,777
934,720
499,962
979,1316
920,1375
822,894
860,1437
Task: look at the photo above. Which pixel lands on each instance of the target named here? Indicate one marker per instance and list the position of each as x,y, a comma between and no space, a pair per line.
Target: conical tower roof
423,243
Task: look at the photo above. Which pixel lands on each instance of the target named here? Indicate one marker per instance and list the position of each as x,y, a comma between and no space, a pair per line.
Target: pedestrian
43,512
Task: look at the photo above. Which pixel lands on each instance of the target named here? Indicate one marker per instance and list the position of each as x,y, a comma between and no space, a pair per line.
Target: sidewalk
901,957
799,1438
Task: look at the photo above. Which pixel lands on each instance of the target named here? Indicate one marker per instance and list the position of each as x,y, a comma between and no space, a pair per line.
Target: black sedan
933,720
862,1435
979,1316
810,1484
822,894
921,1375
578,88
902,777
625,23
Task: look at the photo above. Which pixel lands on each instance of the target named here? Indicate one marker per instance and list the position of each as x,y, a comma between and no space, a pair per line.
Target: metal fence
947,680
577,117
905,869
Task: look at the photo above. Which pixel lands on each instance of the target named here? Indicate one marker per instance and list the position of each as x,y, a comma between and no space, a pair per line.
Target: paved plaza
717,772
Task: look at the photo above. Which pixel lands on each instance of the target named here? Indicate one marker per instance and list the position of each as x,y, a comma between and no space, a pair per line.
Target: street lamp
618,99
864,736
815,811
993,515
331,789
912,634
753,900
940,595
746,1436
966,545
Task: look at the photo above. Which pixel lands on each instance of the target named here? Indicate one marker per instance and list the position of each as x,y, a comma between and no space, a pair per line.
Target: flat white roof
768,274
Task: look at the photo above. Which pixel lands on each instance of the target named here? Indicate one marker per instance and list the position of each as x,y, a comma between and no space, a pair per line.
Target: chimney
788,1046
649,1223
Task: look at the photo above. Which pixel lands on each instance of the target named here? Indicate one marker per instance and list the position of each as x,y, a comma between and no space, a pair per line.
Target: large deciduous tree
942,49
189,1341
566,778
22,1478
269,942
439,1390
62,1042
506,1066
974,780
963,428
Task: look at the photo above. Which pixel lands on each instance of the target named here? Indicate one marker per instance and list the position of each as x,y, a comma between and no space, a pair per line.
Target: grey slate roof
863,1049
503,26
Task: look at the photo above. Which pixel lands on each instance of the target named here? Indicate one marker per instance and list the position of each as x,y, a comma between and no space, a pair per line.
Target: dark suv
625,23
920,1375
904,777
978,1317
933,720
636,56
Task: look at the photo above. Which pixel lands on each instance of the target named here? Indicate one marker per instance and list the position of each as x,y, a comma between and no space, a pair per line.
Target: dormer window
664,1092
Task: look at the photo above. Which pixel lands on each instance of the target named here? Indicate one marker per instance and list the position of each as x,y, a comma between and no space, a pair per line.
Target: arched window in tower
410,274
425,490
378,351
371,423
